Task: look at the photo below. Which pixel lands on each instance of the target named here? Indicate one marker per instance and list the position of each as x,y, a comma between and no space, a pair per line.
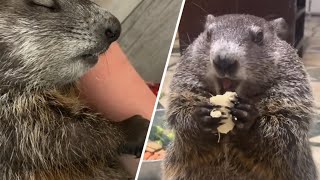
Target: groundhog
46,131
243,54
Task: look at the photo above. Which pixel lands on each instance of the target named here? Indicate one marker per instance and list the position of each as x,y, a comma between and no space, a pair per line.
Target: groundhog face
46,42
242,50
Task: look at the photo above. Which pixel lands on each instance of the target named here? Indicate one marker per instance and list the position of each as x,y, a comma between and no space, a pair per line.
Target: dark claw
240,114
244,114
235,102
234,118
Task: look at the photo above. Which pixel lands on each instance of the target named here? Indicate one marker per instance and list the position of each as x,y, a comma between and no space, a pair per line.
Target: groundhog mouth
90,58
227,85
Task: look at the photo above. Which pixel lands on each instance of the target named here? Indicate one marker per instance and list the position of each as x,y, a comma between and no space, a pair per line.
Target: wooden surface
121,9
147,35
147,32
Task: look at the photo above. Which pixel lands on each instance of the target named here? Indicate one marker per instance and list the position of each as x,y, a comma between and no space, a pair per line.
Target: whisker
200,7
108,70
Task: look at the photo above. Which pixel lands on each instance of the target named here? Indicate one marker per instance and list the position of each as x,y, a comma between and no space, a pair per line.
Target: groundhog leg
275,147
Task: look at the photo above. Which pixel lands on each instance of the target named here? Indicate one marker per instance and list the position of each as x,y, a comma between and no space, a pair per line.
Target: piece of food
170,136
147,155
161,154
226,127
154,145
215,114
161,136
225,101
150,150
156,133
153,157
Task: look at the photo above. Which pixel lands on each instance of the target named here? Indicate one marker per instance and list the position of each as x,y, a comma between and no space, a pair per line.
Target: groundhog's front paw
207,124
244,114
135,130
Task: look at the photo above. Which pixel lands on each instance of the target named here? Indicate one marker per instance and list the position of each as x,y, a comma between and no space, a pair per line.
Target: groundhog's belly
208,172
197,169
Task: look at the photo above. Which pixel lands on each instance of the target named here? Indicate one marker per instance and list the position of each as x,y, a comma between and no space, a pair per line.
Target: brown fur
58,137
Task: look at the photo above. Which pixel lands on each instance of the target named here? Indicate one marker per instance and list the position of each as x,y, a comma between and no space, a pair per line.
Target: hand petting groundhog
244,114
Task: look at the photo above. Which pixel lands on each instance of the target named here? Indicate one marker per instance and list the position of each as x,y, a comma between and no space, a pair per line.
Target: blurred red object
154,87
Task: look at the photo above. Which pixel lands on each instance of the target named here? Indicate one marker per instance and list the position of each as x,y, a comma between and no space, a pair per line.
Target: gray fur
45,131
272,75
43,47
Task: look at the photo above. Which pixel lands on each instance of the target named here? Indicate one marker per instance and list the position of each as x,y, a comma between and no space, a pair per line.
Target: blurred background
303,18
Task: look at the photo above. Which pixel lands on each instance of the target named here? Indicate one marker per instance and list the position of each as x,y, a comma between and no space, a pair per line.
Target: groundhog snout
106,30
225,66
113,30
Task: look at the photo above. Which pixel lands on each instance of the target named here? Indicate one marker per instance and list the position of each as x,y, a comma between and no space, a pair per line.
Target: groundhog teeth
224,101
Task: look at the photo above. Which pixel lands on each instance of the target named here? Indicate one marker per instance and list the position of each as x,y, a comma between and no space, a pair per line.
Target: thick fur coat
271,76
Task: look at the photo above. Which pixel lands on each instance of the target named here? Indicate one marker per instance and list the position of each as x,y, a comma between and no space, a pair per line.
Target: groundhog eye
49,4
258,37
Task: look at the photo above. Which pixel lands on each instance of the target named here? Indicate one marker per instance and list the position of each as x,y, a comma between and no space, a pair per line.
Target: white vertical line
160,88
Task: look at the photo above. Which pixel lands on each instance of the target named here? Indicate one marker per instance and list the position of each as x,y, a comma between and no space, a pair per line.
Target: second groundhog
243,54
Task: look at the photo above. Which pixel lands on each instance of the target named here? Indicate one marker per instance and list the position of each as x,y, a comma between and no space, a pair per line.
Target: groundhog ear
280,27
209,20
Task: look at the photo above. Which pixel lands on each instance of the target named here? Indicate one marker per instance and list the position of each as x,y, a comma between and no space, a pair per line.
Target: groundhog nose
225,65
112,34
113,31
